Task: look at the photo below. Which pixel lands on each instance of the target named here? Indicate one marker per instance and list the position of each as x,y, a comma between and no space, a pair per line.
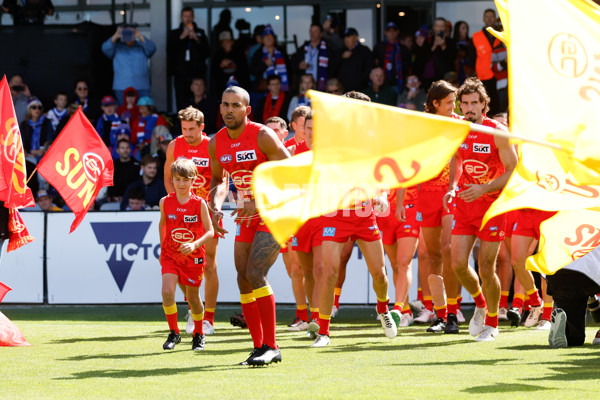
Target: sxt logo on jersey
226,158
122,242
328,232
200,162
190,218
481,148
182,235
246,155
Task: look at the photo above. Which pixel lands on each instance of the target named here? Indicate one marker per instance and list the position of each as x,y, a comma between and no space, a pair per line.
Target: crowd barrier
112,258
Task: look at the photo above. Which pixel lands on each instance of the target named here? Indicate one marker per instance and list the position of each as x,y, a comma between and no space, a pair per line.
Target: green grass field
115,352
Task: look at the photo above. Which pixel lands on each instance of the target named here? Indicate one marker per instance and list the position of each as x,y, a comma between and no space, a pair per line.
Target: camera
127,35
18,88
440,34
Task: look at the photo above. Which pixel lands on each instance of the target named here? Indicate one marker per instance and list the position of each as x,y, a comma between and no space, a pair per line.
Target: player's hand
400,212
472,192
187,248
380,204
448,197
245,213
218,216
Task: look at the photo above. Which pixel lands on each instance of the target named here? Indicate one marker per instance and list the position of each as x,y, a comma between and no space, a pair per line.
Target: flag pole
31,175
511,136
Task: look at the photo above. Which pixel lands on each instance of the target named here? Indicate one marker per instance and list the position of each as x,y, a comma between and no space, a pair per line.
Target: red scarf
18,234
270,110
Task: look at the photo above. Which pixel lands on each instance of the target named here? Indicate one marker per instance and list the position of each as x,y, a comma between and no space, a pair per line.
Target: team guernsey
391,228
199,155
480,164
183,225
239,157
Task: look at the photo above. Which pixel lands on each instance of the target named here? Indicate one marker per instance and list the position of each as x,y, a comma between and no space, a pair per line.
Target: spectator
315,57
20,96
129,110
270,61
421,52
414,97
123,132
161,142
334,86
204,103
307,82
127,170
331,33
276,103
228,62
485,44
60,109
393,57
82,97
153,187
355,62
464,61
36,131
143,127
137,200
245,39
223,25
187,51
441,56
44,202
71,109
28,12
378,91
258,31
130,52
109,123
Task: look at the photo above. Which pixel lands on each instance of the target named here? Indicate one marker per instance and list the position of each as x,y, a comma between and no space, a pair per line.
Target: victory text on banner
359,148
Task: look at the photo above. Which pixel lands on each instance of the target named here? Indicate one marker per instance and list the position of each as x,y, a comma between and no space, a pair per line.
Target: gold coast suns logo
552,183
242,179
199,182
84,174
182,235
12,152
475,168
587,238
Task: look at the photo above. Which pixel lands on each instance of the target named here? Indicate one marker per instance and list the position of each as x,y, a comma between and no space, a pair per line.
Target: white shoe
543,325
189,327
207,328
298,326
416,306
407,320
425,316
597,338
313,329
397,316
476,324
534,317
488,334
334,311
502,314
460,317
558,337
321,341
388,324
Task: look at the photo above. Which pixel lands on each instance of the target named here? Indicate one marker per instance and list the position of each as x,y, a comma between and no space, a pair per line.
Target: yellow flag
359,147
564,238
554,92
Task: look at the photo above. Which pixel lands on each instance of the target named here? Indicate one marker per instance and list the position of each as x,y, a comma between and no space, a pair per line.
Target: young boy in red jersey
184,229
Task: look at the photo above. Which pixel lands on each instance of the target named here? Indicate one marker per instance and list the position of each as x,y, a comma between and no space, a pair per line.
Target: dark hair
456,28
258,30
277,120
474,85
272,77
309,116
148,159
61,93
122,140
356,95
487,10
187,8
439,90
317,25
81,80
137,193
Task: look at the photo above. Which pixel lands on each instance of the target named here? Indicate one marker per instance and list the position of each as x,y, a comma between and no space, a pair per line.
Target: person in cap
228,61
36,131
128,110
44,201
108,121
393,57
355,62
143,127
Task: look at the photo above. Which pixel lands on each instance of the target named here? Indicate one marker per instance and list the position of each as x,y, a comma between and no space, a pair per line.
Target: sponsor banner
23,269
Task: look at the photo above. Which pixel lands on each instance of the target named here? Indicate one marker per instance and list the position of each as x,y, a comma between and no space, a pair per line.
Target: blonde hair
184,168
191,114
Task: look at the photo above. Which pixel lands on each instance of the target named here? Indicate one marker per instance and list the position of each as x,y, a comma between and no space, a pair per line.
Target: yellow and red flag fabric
78,165
13,176
359,148
3,290
10,335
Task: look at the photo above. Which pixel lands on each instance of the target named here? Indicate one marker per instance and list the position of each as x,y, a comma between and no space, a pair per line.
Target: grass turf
115,352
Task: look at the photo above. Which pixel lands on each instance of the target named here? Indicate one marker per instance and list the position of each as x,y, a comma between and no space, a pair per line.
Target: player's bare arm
169,161
454,176
218,189
400,210
162,222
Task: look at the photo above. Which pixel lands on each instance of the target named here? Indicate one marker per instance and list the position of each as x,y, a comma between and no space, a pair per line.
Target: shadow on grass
145,373
102,339
505,388
183,347
461,362
581,369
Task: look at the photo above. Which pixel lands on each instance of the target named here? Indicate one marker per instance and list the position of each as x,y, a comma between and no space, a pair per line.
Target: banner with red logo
13,189
78,165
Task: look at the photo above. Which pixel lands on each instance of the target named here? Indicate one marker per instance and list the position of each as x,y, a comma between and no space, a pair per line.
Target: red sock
534,298
479,300
336,299
398,306
527,304
382,306
252,316
518,301
459,300
302,313
491,320
452,306
547,311
198,324
266,307
210,315
428,302
324,321
406,310
314,315
171,314
420,294
442,312
503,299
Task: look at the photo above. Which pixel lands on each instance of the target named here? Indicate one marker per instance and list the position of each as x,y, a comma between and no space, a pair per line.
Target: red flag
78,165
18,235
13,189
10,335
3,290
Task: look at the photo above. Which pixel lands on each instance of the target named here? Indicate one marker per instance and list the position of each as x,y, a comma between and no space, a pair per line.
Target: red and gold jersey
290,142
301,148
442,180
240,156
480,160
410,196
199,155
183,225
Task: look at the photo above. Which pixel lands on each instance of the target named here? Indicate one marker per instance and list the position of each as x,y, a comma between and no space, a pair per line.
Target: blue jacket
130,64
